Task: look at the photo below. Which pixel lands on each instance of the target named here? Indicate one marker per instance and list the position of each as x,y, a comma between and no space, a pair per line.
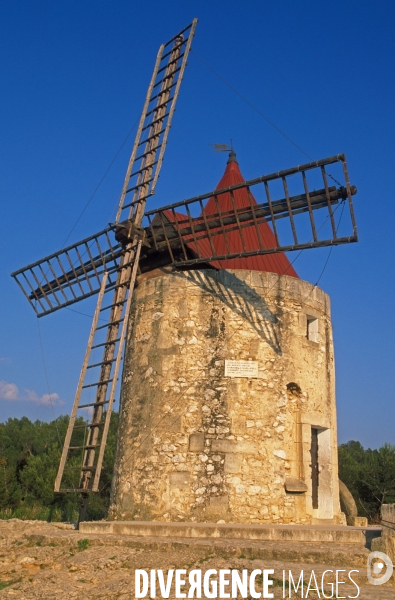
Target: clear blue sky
74,76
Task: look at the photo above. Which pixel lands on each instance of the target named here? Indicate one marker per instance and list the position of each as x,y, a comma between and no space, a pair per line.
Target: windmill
183,235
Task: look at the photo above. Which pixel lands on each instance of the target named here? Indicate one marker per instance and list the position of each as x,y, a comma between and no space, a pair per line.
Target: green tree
369,475
29,459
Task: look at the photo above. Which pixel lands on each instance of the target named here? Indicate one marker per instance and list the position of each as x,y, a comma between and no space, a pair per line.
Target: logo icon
380,568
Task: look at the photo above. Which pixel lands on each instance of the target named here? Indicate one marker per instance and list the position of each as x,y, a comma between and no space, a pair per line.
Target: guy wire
46,378
257,110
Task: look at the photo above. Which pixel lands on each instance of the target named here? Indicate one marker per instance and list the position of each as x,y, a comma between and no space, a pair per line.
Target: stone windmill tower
228,402
227,405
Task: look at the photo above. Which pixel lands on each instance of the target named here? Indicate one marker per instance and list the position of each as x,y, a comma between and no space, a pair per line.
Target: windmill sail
236,226
142,173
153,130
71,274
76,272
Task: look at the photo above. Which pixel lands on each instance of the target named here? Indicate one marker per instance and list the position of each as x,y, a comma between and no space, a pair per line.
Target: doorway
321,473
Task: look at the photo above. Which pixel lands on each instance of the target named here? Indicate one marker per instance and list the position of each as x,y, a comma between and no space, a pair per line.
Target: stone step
311,553
332,534
105,569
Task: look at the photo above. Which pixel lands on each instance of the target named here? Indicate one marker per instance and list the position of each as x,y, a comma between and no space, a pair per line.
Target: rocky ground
42,560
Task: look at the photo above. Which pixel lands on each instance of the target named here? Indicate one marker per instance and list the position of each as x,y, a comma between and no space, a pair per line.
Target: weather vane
223,147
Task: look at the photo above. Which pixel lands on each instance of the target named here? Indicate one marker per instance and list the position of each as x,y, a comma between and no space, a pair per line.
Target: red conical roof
273,263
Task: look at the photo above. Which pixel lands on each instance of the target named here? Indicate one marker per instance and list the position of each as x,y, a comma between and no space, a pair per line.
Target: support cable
328,257
100,182
257,110
46,378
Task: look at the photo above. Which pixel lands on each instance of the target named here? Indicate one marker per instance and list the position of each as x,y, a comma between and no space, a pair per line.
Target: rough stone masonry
197,445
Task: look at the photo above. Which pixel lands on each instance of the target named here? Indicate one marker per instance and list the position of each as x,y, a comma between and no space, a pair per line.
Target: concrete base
357,521
336,534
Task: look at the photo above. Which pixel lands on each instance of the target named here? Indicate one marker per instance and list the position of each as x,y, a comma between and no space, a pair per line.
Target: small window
312,328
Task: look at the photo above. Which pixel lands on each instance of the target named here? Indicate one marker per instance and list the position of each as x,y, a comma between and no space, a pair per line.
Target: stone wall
196,445
386,543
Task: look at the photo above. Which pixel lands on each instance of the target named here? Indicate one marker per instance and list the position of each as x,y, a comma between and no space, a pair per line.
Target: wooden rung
136,201
97,383
88,447
93,404
74,491
115,287
105,362
171,62
157,106
125,266
164,79
181,43
139,185
109,324
88,425
169,87
115,304
159,118
149,151
106,343
148,139
79,468
141,171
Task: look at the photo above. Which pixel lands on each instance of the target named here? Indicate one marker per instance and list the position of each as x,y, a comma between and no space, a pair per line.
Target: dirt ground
52,561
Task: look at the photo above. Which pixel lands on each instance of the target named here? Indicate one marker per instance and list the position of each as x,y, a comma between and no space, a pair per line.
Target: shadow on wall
241,298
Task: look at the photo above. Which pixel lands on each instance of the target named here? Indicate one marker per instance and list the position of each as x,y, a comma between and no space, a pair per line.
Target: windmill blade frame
154,126
155,121
73,278
70,274
189,240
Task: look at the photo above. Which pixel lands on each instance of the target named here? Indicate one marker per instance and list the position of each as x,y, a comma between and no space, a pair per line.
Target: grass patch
279,582
82,544
31,513
205,558
5,584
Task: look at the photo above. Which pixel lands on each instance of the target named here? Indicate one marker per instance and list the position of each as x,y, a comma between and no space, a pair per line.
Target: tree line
29,459
30,454
369,475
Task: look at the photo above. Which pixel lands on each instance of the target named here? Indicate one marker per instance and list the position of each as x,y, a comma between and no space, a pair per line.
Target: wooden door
314,466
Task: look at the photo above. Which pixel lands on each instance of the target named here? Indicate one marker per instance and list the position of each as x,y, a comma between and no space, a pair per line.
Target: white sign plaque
241,368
